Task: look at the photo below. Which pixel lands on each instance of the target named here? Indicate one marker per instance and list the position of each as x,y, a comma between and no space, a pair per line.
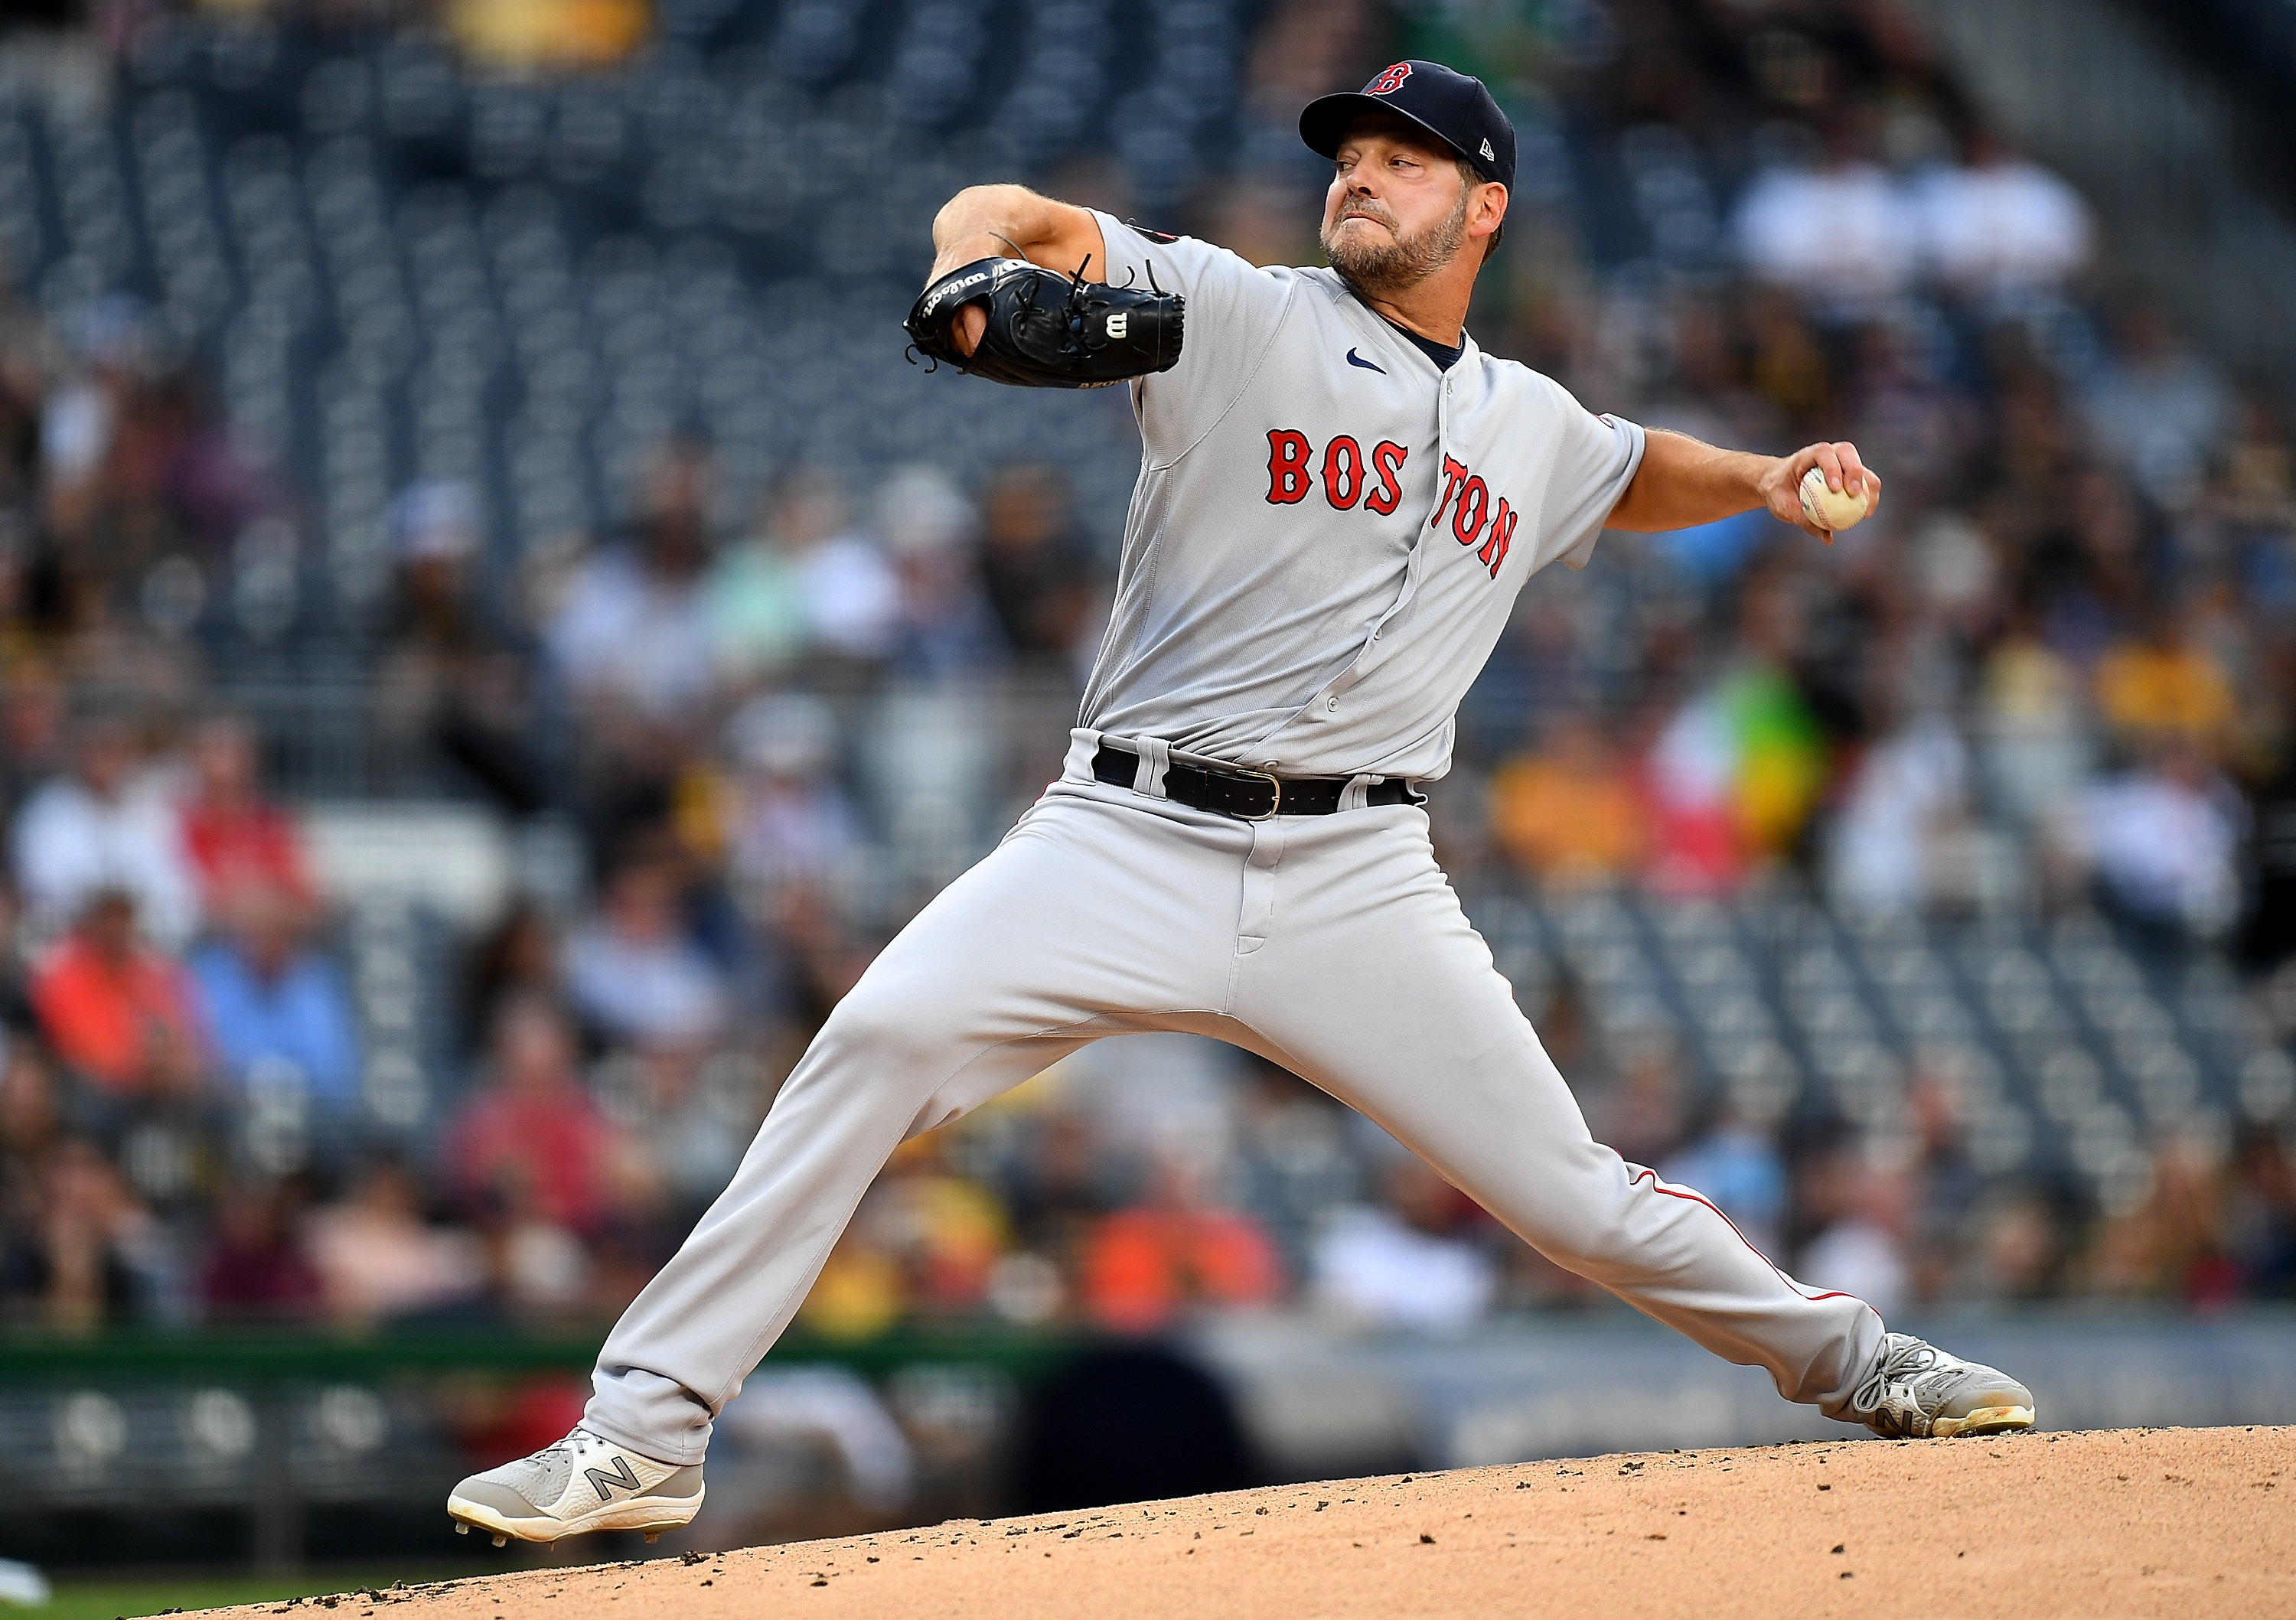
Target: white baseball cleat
1916,1391
581,1483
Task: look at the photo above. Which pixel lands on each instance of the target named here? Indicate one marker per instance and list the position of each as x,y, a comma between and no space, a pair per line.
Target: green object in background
107,1600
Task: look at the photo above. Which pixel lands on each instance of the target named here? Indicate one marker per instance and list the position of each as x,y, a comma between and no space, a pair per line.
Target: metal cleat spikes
501,1541
652,1537
461,1528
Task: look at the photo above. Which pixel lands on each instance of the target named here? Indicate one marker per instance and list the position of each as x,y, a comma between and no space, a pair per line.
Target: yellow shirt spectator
2162,690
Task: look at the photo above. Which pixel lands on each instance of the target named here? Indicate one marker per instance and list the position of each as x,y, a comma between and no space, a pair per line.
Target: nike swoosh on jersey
1356,359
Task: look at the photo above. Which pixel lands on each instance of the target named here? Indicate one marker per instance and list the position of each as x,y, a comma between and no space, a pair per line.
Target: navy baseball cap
1454,107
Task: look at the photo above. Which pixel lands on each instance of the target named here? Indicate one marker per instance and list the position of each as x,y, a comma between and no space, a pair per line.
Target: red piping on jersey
1687,1196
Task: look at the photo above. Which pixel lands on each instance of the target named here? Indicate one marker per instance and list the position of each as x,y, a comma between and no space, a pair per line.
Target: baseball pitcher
1340,495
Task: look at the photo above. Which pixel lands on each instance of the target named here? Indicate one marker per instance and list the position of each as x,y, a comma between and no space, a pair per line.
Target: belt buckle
1275,804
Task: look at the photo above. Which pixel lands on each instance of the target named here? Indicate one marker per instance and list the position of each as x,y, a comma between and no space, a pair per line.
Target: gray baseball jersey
1329,533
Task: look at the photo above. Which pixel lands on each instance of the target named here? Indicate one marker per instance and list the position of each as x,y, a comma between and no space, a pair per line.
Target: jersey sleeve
1234,308
1597,460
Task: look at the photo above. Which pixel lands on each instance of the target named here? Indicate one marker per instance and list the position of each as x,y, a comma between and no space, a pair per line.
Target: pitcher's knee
883,1030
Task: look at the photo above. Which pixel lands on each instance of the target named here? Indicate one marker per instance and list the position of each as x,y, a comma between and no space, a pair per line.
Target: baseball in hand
1830,509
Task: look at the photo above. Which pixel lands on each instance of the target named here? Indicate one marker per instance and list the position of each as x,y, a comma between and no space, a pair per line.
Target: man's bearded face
1384,261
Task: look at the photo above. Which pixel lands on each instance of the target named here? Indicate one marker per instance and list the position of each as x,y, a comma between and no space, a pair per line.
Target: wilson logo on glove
1046,330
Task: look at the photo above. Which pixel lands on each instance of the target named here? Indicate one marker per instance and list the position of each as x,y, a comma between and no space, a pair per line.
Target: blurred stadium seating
479,575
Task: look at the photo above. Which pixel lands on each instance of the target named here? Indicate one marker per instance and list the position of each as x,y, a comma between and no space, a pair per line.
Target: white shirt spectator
72,841
634,636
1857,1256
2163,845
1370,1264
852,596
1908,787
2000,232
1841,234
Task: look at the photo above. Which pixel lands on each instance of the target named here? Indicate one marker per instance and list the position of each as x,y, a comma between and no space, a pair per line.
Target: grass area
85,1599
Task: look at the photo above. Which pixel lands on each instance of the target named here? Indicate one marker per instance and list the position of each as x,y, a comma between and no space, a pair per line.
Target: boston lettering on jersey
1345,477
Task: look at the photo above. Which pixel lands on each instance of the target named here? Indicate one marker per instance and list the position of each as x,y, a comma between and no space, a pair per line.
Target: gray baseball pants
1331,945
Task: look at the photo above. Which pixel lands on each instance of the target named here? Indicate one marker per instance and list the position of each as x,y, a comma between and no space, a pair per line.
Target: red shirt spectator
117,1012
232,836
532,1137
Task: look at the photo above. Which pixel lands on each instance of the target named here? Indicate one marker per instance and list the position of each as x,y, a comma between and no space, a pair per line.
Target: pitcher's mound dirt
2186,1522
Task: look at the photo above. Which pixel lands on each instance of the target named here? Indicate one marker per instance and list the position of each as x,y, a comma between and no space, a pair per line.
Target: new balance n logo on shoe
599,1479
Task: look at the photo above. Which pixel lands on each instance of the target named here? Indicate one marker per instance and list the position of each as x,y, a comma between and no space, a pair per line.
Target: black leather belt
1249,796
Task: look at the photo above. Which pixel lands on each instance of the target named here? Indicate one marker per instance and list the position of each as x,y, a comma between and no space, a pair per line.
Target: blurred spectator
2160,842
944,630
2164,688
631,638
29,1123
450,669
1569,813
255,1264
1055,1190
2012,1246
754,598
805,581
1860,1213
232,836
2032,727
120,1013
1836,230
35,702
2172,1244
1907,794
536,1265
2000,229
2157,409
1034,562
1734,1163
852,593
1144,1265
1405,1262
266,998
101,827
793,825
1640,1114
529,1137
632,971
518,957
16,1015
686,1118
859,1292
1944,1185
88,1255
944,1231
2260,1222
377,1258
836,1408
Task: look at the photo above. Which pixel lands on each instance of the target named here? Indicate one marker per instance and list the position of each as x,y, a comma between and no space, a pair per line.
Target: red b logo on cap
1390,81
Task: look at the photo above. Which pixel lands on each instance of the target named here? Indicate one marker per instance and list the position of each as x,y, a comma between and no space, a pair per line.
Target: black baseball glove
1046,330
